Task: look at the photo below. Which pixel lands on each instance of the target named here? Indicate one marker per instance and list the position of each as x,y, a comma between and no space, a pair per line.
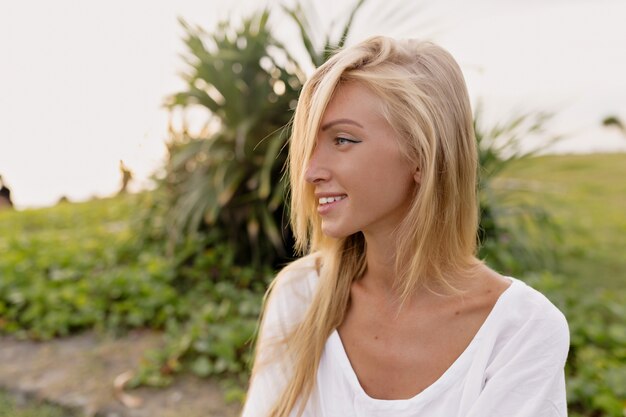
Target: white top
513,367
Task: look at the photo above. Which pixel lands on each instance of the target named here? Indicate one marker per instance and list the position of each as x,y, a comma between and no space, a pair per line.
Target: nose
315,171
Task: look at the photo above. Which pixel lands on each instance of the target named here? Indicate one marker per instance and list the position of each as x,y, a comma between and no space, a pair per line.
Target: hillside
586,194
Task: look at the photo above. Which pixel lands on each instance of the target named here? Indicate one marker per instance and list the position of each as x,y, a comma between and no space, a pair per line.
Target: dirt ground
78,373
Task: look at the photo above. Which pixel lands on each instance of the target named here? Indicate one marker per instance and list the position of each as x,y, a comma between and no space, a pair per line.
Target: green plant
515,236
76,266
227,178
586,196
216,339
596,365
309,33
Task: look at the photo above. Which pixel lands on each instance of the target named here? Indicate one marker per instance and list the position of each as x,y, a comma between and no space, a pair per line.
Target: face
362,181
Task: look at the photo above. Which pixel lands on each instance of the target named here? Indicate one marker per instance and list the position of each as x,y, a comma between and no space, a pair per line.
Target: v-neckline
441,383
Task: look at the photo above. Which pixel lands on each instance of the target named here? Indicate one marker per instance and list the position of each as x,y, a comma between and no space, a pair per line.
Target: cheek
394,176
381,189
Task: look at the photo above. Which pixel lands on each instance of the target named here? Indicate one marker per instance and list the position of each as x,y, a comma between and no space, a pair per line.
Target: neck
380,255
380,275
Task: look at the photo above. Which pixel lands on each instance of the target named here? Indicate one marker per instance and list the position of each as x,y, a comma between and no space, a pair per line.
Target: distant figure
5,196
127,175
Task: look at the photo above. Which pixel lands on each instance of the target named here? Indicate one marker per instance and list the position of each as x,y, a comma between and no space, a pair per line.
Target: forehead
353,100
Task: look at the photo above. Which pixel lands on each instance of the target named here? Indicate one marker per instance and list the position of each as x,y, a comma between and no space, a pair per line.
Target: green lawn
587,196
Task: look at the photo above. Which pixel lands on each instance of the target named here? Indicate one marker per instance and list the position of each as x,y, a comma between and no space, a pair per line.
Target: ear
417,175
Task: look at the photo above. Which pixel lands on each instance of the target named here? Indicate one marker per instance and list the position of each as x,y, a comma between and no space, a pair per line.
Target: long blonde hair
425,100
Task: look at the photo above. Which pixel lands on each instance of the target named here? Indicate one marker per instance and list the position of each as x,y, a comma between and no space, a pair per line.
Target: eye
345,141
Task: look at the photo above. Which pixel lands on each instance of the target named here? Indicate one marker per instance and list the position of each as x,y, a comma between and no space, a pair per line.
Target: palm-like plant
226,180
302,18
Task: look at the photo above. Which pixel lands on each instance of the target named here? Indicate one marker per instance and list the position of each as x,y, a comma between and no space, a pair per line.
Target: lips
326,204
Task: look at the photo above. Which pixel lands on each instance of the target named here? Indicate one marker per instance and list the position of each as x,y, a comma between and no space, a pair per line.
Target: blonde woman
390,313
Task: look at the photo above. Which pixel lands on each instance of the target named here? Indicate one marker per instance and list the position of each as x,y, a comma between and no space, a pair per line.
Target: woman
390,313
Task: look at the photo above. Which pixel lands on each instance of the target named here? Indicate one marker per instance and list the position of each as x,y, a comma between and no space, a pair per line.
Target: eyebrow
340,121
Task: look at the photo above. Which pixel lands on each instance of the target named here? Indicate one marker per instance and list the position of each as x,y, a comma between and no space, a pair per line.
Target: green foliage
227,179
224,302
319,55
596,366
516,237
76,267
215,341
586,196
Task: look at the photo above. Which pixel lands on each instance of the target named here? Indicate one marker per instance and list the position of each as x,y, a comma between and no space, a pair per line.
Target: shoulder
527,320
299,278
290,294
526,304
287,300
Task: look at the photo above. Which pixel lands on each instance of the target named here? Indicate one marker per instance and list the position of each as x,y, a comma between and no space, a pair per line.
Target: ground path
78,373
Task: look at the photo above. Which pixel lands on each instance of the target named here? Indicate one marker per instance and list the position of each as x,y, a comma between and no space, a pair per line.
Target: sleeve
270,377
527,378
285,307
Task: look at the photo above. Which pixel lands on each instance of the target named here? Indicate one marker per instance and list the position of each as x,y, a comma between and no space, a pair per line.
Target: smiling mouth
327,200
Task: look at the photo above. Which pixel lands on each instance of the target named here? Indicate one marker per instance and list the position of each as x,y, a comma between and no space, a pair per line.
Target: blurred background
83,84
142,195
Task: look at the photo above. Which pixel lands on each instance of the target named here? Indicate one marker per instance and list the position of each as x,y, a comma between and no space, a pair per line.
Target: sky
82,82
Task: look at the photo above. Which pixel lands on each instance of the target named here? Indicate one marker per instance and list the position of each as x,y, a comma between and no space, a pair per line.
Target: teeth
326,200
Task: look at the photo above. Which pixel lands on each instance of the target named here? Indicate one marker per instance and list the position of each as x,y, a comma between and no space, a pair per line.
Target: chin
336,233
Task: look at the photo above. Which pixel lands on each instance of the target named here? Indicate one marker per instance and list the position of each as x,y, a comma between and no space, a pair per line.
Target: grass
586,194
9,408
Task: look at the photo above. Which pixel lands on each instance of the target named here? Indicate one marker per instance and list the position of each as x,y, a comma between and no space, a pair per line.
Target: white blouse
513,367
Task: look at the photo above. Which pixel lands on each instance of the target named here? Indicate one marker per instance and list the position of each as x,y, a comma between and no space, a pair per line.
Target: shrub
596,365
227,179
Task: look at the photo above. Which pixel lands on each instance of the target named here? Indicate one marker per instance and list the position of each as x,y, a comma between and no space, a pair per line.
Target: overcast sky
82,82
